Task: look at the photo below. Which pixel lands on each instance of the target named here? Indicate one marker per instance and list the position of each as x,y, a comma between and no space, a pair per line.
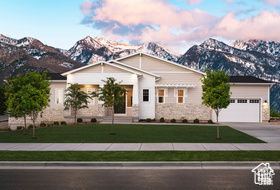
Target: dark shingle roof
56,76
246,79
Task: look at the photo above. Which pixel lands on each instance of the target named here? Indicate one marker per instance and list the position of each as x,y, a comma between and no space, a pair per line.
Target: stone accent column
265,112
135,112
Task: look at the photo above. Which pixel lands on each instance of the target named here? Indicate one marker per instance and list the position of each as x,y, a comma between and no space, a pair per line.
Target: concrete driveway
266,132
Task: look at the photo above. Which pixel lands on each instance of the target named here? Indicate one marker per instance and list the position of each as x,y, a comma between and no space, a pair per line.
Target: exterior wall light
265,101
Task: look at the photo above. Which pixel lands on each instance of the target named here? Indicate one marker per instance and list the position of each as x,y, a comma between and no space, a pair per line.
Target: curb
146,165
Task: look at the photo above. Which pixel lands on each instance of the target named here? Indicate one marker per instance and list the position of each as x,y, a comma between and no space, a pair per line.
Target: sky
175,24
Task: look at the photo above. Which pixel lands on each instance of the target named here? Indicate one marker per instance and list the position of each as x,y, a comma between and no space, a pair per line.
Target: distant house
156,88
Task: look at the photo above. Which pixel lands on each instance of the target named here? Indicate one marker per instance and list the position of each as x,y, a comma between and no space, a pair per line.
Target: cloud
193,2
139,21
271,2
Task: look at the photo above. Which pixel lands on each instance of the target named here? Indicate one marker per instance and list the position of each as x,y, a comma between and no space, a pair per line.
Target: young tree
111,94
75,99
28,95
3,106
216,92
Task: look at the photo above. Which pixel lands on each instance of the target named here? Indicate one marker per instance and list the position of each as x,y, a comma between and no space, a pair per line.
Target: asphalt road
202,179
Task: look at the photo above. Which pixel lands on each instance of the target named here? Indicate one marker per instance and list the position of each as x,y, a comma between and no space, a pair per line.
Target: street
200,179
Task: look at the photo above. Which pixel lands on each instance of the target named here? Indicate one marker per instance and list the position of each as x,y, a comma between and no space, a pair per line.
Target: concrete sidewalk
138,146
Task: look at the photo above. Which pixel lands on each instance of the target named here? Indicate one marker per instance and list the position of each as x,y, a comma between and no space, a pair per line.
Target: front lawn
126,133
139,155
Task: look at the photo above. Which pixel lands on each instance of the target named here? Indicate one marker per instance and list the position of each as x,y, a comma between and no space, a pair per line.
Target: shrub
79,120
56,123
5,129
63,123
30,126
161,119
185,121
20,127
210,121
93,120
49,125
148,120
196,120
173,120
42,125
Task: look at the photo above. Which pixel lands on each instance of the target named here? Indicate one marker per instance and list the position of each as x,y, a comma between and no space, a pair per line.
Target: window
59,96
145,95
180,96
89,91
231,101
241,101
160,96
254,101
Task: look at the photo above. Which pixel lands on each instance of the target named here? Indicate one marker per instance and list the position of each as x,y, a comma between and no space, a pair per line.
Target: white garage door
240,110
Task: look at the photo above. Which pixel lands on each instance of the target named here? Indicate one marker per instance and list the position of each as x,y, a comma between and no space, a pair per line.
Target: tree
3,106
111,94
75,99
28,95
216,92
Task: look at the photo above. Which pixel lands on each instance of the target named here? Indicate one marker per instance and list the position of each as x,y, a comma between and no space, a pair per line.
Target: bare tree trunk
33,119
218,132
113,113
75,116
24,117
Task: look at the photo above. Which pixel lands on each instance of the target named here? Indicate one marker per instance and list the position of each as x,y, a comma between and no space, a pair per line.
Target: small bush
79,120
185,121
161,119
42,125
173,120
210,121
93,120
148,120
196,120
63,123
20,127
30,126
5,129
56,123
49,125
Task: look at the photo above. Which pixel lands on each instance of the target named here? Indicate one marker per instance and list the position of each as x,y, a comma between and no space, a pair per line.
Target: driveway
266,132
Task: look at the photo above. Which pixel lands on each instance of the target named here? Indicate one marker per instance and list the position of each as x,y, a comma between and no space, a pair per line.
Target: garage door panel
239,112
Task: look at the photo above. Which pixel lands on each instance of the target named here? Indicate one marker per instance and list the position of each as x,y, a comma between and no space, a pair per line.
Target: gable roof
101,62
137,69
170,62
247,79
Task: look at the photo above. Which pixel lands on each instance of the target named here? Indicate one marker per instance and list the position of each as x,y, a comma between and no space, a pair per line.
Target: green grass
140,156
99,133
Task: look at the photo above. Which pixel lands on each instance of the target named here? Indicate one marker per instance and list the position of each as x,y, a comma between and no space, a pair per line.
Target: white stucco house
156,88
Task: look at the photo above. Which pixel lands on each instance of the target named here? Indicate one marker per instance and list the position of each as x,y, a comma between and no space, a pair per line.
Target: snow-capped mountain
242,58
90,50
29,54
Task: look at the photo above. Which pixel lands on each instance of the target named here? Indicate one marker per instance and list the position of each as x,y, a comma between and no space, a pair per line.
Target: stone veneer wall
265,112
182,111
135,112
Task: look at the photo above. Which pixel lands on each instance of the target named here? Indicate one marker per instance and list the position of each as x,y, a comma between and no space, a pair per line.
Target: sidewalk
138,146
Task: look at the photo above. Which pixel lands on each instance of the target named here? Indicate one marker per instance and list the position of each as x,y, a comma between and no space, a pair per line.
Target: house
156,88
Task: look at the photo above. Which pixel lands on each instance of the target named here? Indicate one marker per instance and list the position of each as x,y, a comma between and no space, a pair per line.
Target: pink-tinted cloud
193,2
86,7
271,2
159,21
228,1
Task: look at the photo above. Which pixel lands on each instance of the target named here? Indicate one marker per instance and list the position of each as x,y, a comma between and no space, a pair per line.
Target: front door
120,108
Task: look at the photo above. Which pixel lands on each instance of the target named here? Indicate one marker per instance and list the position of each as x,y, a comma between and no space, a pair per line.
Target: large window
145,95
180,96
59,96
89,91
160,96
